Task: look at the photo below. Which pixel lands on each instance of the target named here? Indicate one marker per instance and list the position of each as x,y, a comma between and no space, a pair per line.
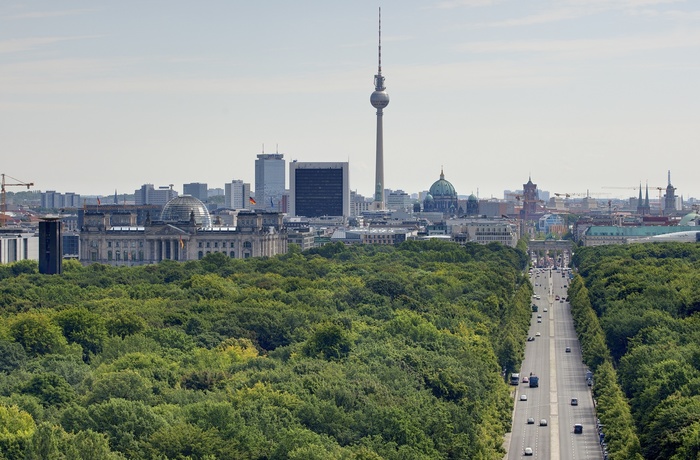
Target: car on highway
531,339
578,428
544,309
539,316
568,349
538,334
528,451
539,320
531,420
543,422
523,397
574,401
526,380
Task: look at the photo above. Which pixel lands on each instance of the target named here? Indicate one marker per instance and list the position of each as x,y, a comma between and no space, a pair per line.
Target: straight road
561,377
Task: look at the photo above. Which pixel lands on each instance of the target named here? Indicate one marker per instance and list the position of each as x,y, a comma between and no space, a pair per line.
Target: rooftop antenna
263,148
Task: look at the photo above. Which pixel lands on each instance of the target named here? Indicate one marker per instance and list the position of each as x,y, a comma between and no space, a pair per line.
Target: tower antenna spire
379,67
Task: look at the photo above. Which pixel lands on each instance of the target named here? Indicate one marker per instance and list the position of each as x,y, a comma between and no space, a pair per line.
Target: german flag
252,201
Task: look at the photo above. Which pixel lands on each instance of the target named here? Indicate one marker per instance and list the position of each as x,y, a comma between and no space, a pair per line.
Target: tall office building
197,190
147,194
379,99
51,199
237,195
269,181
319,189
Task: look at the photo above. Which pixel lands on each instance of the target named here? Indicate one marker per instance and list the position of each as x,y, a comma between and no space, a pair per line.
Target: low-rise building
609,234
17,243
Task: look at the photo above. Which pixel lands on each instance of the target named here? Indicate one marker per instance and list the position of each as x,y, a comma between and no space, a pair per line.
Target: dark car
574,401
578,428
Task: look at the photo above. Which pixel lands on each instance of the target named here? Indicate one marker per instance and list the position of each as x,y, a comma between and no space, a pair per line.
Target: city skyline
578,95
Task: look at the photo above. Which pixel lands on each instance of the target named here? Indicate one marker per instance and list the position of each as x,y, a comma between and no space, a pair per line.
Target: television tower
379,99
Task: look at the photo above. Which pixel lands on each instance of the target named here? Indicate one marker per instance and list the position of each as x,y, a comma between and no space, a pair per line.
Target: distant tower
643,205
670,198
50,246
530,199
379,99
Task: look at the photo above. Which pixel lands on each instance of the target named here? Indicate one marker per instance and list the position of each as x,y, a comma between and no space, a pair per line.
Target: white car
528,451
523,397
545,310
538,334
531,420
543,422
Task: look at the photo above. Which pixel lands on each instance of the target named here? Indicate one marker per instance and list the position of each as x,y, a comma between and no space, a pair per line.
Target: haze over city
579,94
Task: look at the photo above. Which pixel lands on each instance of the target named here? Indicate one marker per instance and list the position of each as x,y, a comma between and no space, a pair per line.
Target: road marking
553,401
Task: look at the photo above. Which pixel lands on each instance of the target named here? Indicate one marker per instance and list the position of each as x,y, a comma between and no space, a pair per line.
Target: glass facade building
319,189
269,181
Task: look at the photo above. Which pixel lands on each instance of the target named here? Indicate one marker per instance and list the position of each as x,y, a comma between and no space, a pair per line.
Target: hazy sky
581,94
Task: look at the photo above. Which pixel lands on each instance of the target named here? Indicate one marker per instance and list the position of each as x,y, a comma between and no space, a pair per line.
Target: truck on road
534,381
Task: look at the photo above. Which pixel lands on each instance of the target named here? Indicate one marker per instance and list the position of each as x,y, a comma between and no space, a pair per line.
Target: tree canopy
645,303
339,352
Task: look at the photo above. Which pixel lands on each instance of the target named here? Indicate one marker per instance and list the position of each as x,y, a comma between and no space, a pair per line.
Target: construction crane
660,189
586,195
4,194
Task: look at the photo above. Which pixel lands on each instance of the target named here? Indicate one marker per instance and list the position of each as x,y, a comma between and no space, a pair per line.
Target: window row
124,244
117,255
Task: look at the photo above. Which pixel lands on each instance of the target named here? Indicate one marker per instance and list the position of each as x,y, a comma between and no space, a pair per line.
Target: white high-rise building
237,195
269,181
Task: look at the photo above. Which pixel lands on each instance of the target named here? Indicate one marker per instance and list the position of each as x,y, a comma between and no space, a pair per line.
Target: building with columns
184,231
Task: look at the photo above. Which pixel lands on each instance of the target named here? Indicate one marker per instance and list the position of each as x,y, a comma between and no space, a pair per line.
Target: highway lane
537,406
562,376
571,382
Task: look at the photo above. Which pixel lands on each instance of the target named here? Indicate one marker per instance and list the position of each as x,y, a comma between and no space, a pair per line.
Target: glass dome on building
180,208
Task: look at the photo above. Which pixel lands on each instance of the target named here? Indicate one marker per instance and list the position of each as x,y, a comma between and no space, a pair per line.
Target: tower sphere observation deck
379,99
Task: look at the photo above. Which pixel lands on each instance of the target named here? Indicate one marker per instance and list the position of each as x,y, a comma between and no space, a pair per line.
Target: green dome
442,188
688,218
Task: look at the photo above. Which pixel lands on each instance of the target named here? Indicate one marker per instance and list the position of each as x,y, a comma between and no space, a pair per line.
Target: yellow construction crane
4,194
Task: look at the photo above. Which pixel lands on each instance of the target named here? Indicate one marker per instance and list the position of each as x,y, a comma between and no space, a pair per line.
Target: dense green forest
360,352
637,312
